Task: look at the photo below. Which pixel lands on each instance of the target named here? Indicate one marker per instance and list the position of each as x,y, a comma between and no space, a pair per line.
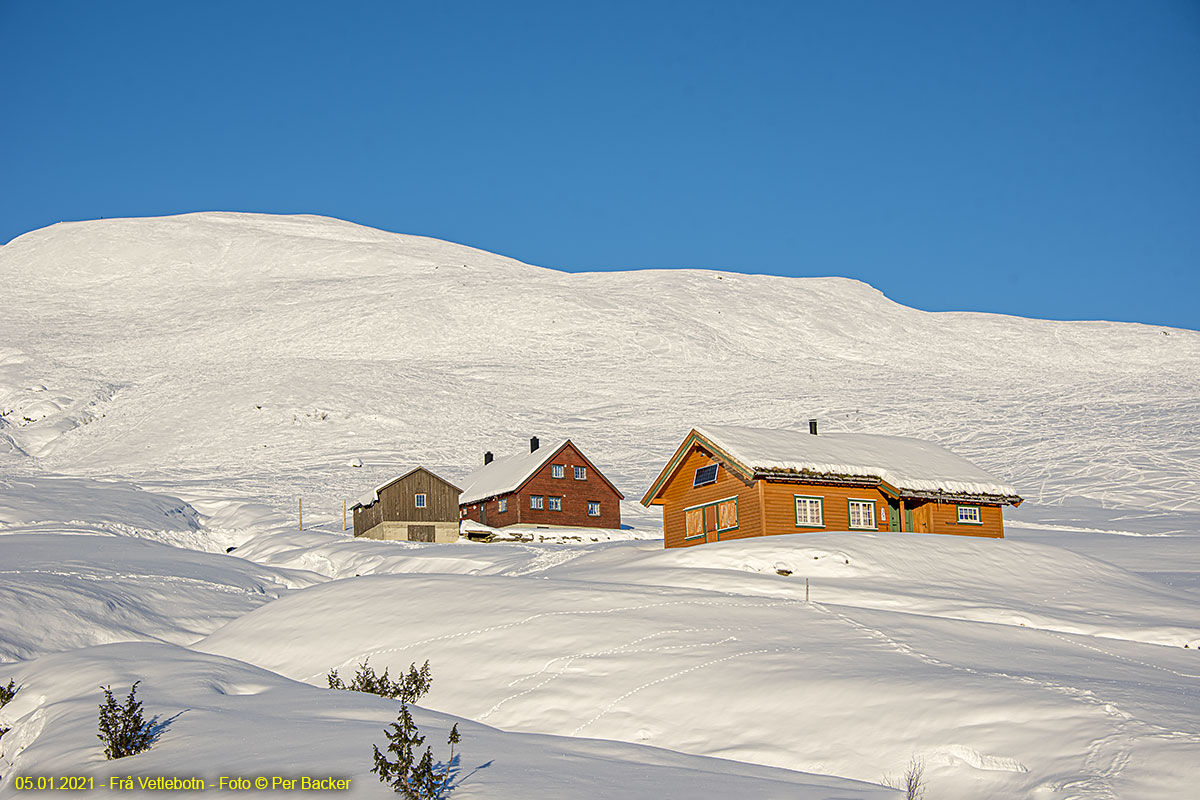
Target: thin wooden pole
301,513
806,590
343,515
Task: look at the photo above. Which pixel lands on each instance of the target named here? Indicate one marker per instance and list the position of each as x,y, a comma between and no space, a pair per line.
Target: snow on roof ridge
505,474
906,463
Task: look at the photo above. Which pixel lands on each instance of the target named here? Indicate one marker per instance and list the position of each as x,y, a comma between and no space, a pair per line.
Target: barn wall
397,503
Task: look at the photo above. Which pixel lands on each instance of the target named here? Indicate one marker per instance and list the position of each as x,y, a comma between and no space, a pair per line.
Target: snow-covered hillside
171,388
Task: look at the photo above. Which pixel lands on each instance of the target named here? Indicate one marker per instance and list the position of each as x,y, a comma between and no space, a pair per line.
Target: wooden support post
343,515
301,501
806,590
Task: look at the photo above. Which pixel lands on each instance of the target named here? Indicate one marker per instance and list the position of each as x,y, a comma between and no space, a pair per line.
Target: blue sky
1031,158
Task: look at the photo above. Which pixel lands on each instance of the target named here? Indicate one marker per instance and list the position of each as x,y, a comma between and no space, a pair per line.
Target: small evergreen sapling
411,777
7,693
122,728
410,688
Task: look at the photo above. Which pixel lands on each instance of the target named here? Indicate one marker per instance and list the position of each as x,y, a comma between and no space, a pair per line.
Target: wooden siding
943,518
780,502
678,495
397,502
575,496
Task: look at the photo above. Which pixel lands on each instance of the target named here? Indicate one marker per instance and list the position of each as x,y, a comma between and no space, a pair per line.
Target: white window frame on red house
502,505
558,471
537,502
554,503
581,473
593,508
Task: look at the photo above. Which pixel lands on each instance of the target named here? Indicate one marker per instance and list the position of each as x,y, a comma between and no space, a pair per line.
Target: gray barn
418,506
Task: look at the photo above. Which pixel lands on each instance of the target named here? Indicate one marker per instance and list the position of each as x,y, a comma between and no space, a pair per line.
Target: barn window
536,501
581,473
420,499
503,504
969,515
810,512
705,475
862,514
558,471
593,508
556,504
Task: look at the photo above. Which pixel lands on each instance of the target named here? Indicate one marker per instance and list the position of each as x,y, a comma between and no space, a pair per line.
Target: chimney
812,427
533,444
487,458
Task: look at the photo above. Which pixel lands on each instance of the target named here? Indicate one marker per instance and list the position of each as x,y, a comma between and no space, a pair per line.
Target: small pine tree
7,693
411,777
122,728
410,688
453,740
403,741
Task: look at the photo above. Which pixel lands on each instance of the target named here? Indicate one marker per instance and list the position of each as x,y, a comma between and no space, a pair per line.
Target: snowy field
173,388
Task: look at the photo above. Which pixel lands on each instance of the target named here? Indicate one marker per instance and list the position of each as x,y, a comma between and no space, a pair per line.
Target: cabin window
558,470
536,501
581,473
556,504
694,522
503,504
862,514
969,515
593,508
810,512
727,515
705,475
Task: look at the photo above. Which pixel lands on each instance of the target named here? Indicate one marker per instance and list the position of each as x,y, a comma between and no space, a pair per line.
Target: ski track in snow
1107,756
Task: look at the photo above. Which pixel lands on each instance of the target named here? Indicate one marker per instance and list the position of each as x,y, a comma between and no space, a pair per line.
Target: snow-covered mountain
169,388
274,350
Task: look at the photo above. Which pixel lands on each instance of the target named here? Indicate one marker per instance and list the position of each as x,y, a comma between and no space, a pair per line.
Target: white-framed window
862,514
558,471
536,501
555,503
593,508
581,473
420,499
705,475
970,515
503,504
810,511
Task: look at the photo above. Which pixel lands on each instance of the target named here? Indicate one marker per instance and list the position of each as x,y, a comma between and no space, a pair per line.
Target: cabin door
894,515
710,524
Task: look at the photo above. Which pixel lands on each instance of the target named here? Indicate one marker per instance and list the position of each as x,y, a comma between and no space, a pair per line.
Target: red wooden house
552,486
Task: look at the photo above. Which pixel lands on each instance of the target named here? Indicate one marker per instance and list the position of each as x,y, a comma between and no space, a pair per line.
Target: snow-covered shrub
122,728
411,777
410,688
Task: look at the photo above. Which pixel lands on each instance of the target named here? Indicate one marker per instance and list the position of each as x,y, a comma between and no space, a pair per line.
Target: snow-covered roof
372,497
506,474
911,465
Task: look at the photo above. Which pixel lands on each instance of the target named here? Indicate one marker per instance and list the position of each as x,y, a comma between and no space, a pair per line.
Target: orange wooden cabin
734,482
